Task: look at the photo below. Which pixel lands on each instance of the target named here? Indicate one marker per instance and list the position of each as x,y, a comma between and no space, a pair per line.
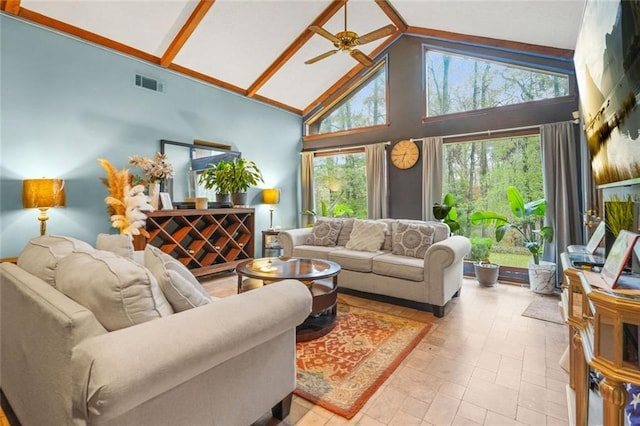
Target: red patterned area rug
342,370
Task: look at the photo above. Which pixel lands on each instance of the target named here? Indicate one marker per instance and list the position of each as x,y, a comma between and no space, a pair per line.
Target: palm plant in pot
528,223
486,272
218,176
243,174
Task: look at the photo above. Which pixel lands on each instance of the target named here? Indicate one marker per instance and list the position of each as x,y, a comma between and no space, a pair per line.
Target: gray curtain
377,186
561,176
431,175
308,201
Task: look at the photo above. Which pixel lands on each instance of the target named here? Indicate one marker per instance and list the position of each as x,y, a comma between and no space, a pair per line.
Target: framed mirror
188,161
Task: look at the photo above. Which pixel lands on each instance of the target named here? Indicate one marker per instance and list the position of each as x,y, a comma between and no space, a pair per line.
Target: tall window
478,174
460,83
340,185
364,106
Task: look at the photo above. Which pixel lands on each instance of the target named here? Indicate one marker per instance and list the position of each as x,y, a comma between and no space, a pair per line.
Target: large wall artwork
607,61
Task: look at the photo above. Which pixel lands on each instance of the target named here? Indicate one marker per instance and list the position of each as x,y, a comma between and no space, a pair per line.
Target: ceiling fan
348,40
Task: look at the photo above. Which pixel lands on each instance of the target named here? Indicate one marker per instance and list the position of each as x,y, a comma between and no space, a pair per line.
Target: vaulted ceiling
258,47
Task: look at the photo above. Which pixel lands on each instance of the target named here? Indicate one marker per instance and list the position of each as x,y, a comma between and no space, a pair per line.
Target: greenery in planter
217,176
243,174
480,249
528,222
447,213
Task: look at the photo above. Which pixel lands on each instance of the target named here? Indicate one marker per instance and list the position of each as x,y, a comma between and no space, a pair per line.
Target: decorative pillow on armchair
325,233
367,235
409,239
178,284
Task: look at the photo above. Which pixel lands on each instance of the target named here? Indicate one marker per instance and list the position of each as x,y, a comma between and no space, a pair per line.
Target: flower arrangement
125,204
156,169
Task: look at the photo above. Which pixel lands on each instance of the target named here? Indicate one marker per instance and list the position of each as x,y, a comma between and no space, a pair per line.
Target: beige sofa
226,362
426,282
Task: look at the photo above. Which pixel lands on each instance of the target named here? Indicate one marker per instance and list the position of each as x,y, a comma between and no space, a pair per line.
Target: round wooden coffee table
320,276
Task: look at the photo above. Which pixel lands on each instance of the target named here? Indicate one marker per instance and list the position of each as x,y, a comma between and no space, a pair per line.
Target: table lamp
271,196
43,194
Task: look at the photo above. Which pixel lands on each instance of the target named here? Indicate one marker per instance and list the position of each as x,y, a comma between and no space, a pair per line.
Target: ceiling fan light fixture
346,41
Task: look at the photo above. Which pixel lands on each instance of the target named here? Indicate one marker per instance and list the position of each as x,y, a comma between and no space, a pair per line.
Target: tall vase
154,194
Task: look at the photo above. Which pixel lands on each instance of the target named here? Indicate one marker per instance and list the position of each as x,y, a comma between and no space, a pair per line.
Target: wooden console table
205,241
603,334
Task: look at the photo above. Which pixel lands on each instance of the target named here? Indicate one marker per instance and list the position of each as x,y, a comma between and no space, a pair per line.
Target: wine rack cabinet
205,241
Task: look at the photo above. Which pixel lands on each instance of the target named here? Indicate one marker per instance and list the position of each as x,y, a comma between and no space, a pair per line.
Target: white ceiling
238,40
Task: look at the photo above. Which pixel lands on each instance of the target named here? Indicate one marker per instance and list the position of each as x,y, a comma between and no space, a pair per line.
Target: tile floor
482,364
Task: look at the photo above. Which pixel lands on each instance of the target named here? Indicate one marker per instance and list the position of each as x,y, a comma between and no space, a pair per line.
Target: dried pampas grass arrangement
125,204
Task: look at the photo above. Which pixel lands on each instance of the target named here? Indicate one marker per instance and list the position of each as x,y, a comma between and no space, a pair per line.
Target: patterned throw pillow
367,235
411,239
325,233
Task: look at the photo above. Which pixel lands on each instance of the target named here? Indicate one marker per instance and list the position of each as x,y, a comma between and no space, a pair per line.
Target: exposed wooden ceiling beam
487,41
86,35
185,32
10,6
331,91
392,14
229,87
322,19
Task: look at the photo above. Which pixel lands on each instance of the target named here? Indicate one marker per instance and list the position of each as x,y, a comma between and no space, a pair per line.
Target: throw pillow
325,233
120,244
367,235
118,291
345,232
411,239
178,284
41,255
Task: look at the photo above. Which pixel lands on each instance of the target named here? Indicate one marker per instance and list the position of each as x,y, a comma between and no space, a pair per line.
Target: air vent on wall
149,83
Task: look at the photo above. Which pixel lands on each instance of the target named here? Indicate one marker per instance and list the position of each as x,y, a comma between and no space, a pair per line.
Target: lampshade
43,193
271,196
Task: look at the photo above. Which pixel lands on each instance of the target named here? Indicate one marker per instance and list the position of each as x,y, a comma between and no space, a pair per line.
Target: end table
270,245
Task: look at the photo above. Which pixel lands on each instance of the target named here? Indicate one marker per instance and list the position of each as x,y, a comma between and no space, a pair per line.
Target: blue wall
64,103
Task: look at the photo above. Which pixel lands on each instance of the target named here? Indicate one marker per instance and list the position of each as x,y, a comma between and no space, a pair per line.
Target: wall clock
405,154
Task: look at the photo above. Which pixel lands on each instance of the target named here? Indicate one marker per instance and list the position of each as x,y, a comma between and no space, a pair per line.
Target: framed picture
165,201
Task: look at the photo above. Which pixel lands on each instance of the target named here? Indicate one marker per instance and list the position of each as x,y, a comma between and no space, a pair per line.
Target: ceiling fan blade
361,57
324,33
375,35
319,57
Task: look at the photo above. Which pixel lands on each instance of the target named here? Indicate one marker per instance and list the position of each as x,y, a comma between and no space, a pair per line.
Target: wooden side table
270,245
9,260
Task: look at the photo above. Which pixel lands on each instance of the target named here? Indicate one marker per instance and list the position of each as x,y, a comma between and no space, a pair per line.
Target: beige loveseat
425,272
225,362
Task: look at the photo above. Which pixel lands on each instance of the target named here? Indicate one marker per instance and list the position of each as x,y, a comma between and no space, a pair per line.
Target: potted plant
446,212
243,174
528,223
218,176
486,272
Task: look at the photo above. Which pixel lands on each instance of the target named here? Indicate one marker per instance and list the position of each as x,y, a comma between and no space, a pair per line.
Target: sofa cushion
120,244
387,236
403,267
118,291
353,260
367,235
325,233
180,287
410,239
315,252
41,255
345,232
